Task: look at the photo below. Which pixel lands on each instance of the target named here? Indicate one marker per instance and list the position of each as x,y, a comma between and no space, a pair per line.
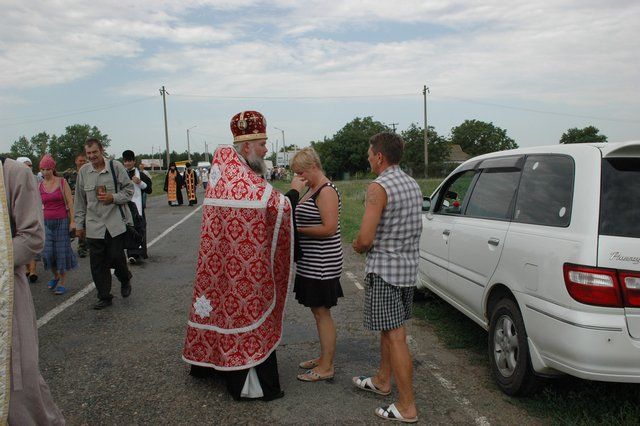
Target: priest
244,268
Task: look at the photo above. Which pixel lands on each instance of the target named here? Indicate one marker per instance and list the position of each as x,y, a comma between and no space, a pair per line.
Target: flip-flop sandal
366,384
60,290
312,376
392,413
308,365
53,283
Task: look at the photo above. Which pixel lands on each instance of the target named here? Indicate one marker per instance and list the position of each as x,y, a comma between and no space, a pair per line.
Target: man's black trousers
105,254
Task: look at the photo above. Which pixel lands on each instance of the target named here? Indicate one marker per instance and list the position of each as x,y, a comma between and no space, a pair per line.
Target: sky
533,68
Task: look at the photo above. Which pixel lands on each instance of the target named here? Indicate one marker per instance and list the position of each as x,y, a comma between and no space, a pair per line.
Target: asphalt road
122,365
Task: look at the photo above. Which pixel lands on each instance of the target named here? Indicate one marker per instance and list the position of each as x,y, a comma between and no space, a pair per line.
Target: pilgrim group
256,246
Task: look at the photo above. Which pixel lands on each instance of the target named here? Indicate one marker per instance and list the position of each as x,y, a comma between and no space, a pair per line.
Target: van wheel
509,350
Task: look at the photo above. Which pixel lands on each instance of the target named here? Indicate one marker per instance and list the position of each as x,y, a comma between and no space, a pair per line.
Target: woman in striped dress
317,283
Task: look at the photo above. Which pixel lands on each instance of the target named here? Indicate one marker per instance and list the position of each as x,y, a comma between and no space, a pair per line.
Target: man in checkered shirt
389,235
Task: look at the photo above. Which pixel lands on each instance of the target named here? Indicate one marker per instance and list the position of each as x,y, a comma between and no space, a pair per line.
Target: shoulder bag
132,238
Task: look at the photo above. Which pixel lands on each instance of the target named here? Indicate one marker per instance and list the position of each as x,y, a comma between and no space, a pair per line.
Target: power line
539,111
397,95
78,112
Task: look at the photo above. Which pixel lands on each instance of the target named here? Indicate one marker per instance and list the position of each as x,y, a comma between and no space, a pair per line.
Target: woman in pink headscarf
57,204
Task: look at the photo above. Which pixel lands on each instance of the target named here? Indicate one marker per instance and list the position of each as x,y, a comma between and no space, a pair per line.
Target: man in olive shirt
98,218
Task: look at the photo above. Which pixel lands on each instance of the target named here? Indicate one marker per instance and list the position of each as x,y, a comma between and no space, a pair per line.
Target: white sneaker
132,260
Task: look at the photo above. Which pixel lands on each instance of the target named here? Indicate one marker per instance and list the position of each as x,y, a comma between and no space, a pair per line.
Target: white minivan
541,247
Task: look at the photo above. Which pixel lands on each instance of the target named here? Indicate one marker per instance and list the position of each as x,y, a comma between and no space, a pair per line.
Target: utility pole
163,92
284,146
206,152
425,90
393,126
189,144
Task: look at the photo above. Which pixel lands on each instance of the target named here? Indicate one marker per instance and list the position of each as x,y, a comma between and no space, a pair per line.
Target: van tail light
631,288
593,286
602,287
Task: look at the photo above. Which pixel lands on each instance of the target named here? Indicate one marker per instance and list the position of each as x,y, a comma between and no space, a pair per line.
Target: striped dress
318,270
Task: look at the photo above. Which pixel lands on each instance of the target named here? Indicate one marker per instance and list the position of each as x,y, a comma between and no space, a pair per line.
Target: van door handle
446,232
494,241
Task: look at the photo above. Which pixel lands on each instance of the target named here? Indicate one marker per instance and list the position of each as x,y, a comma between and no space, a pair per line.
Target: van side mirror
426,203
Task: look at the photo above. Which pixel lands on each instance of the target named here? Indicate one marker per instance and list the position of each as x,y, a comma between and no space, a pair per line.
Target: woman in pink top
57,204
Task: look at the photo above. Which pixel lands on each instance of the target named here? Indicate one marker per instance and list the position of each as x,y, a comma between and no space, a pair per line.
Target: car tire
509,350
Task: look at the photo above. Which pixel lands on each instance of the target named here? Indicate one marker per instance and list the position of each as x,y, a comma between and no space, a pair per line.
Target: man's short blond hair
305,159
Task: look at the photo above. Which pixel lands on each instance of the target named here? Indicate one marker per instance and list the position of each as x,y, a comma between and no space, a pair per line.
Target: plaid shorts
386,307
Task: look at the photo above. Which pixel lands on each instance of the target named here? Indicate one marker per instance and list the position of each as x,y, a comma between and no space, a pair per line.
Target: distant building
457,155
283,158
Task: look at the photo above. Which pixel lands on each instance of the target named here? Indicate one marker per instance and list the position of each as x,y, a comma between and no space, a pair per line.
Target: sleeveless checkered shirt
394,255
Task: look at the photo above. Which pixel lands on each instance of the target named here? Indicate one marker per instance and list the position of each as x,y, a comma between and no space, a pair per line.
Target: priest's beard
255,162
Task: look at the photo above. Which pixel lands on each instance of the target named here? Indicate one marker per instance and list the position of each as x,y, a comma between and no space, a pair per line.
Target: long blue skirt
57,251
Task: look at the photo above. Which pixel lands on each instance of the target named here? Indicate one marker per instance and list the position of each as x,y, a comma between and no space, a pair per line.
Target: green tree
65,147
21,148
477,137
40,144
346,151
413,158
588,134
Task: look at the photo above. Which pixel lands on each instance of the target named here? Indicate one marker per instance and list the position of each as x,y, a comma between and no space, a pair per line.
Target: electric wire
78,111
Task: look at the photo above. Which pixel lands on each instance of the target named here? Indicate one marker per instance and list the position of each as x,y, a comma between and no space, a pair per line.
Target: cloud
576,52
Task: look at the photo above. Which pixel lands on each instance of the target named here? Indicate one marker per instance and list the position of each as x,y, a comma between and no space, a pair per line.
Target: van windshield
620,197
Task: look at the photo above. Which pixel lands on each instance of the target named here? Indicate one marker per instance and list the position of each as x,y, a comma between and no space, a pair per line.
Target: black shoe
125,290
201,372
33,278
82,254
102,303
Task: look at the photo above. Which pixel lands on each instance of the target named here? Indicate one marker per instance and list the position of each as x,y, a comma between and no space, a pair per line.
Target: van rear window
620,197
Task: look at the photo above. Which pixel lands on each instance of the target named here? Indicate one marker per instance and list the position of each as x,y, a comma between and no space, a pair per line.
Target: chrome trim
589,327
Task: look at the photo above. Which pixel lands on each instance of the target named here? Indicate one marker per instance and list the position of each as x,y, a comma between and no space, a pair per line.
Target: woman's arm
67,196
327,202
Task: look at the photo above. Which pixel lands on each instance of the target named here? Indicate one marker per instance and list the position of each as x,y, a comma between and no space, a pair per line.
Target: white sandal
392,413
366,384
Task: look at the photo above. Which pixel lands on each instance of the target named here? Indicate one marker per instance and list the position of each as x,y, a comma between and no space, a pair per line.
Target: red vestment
244,268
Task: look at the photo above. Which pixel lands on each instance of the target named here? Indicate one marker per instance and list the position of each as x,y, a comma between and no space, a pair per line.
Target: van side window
454,194
620,197
545,195
494,194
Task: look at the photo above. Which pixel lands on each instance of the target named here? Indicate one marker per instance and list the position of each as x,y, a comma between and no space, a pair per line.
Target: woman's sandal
312,376
53,283
308,365
366,384
392,413
60,290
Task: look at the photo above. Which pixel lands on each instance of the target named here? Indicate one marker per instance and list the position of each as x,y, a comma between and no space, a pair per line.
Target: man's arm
147,180
80,204
125,186
376,202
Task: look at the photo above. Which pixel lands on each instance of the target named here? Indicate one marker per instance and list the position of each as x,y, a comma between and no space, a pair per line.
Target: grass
353,193
563,401
157,181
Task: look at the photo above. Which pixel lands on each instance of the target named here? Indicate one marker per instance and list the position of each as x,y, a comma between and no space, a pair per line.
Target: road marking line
353,278
451,388
91,286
